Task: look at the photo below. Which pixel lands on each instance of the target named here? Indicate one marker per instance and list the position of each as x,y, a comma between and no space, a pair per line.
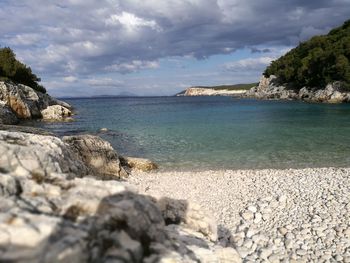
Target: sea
215,133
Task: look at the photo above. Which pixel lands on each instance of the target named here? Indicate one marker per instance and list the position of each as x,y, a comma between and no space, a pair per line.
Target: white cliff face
198,91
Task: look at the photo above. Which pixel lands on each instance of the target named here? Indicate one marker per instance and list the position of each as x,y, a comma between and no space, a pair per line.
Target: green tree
316,62
14,70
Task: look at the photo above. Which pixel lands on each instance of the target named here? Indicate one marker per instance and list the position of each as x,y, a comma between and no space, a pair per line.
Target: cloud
248,64
70,79
84,38
103,82
310,31
131,22
23,39
258,50
133,66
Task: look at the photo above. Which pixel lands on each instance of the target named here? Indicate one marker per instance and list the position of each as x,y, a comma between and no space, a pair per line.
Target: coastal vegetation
316,62
16,71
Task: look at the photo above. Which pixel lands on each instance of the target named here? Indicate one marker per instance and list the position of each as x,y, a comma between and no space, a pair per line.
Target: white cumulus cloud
250,64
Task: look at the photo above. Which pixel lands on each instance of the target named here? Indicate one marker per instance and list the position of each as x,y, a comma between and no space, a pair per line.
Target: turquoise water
200,133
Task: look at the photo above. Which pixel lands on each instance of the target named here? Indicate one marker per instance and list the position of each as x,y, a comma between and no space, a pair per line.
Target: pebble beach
293,215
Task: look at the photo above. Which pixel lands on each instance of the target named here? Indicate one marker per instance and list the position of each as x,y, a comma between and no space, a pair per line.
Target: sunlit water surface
201,133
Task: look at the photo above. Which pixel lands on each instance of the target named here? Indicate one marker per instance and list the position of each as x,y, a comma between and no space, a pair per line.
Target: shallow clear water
200,133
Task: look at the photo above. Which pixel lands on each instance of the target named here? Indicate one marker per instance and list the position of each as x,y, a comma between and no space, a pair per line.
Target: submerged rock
52,210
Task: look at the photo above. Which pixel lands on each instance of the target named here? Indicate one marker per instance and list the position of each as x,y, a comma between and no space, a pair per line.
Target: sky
157,47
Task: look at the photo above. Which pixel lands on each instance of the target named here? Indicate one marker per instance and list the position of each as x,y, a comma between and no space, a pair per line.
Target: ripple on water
200,133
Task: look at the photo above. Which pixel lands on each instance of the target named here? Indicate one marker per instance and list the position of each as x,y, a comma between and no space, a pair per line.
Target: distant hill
121,94
316,62
223,87
127,94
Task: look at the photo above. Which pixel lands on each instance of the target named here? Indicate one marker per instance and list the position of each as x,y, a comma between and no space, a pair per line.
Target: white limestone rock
56,113
97,154
269,88
51,210
27,103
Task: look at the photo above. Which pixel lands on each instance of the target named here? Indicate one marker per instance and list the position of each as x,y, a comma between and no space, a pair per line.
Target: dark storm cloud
81,37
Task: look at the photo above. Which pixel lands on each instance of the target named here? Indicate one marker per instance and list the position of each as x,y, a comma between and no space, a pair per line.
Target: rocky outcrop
139,164
26,103
98,154
269,88
52,210
7,116
199,91
56,112
21,99
331,94
37,155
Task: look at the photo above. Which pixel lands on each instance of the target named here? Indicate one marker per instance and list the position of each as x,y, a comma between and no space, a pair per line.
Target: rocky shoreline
20,102
75,199
66,200
270,88
69,200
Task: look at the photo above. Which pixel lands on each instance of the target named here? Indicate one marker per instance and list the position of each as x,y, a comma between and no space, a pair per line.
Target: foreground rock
269,88
53,210
98,154
37,155
269,215
26,103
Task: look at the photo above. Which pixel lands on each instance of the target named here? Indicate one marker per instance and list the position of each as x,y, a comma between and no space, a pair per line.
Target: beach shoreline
79,183
289,214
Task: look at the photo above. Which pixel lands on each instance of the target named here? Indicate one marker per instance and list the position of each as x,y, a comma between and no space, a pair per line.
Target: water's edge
216,133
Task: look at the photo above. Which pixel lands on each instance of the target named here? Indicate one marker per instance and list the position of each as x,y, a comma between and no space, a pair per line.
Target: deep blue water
200,133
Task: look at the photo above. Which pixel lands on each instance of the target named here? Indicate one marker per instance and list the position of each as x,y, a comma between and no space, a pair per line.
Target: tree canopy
12,69
316,62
